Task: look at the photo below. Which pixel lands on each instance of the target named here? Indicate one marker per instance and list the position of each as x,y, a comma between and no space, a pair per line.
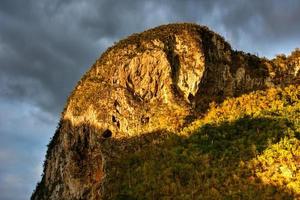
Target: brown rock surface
160,79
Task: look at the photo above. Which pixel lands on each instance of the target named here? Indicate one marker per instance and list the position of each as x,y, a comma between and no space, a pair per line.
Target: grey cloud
25,131
263,26
48,52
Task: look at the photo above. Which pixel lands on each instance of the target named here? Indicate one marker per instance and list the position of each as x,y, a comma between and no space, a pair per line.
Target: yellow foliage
245,148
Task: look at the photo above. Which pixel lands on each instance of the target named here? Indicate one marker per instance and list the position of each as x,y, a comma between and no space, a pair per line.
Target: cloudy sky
47,45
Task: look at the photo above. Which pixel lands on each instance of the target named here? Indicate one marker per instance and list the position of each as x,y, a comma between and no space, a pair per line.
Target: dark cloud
47,45
262,26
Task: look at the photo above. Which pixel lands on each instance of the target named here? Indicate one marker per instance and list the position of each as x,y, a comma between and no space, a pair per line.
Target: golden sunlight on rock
175,113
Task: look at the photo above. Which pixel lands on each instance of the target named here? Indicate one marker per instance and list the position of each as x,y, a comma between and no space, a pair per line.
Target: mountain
175,113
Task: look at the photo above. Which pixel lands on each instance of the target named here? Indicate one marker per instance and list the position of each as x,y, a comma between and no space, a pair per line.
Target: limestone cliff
161,79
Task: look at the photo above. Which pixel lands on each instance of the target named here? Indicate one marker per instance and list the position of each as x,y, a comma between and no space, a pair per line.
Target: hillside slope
245,148
174,112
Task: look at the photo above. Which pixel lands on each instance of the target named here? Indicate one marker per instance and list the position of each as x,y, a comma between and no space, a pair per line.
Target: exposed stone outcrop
160,79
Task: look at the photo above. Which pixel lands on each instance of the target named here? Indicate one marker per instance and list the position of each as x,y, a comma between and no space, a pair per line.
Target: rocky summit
128,129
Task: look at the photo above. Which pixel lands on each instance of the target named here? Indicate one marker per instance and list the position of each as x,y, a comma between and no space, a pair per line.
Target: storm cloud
47,45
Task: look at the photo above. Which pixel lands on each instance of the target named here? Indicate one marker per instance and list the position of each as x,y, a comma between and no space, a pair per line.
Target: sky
47,45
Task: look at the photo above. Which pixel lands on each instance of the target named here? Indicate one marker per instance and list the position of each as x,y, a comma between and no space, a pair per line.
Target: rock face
161,79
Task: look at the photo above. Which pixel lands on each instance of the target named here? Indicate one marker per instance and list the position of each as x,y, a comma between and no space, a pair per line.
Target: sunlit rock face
160,79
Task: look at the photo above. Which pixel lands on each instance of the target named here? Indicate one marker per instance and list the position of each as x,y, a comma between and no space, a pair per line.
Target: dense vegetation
245,148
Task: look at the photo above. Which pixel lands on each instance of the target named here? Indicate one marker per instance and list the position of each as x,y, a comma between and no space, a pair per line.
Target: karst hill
175,113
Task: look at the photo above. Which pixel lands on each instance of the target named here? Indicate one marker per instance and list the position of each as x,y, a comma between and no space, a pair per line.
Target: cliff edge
140,91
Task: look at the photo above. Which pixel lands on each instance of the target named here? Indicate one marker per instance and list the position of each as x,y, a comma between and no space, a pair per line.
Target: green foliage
245,148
